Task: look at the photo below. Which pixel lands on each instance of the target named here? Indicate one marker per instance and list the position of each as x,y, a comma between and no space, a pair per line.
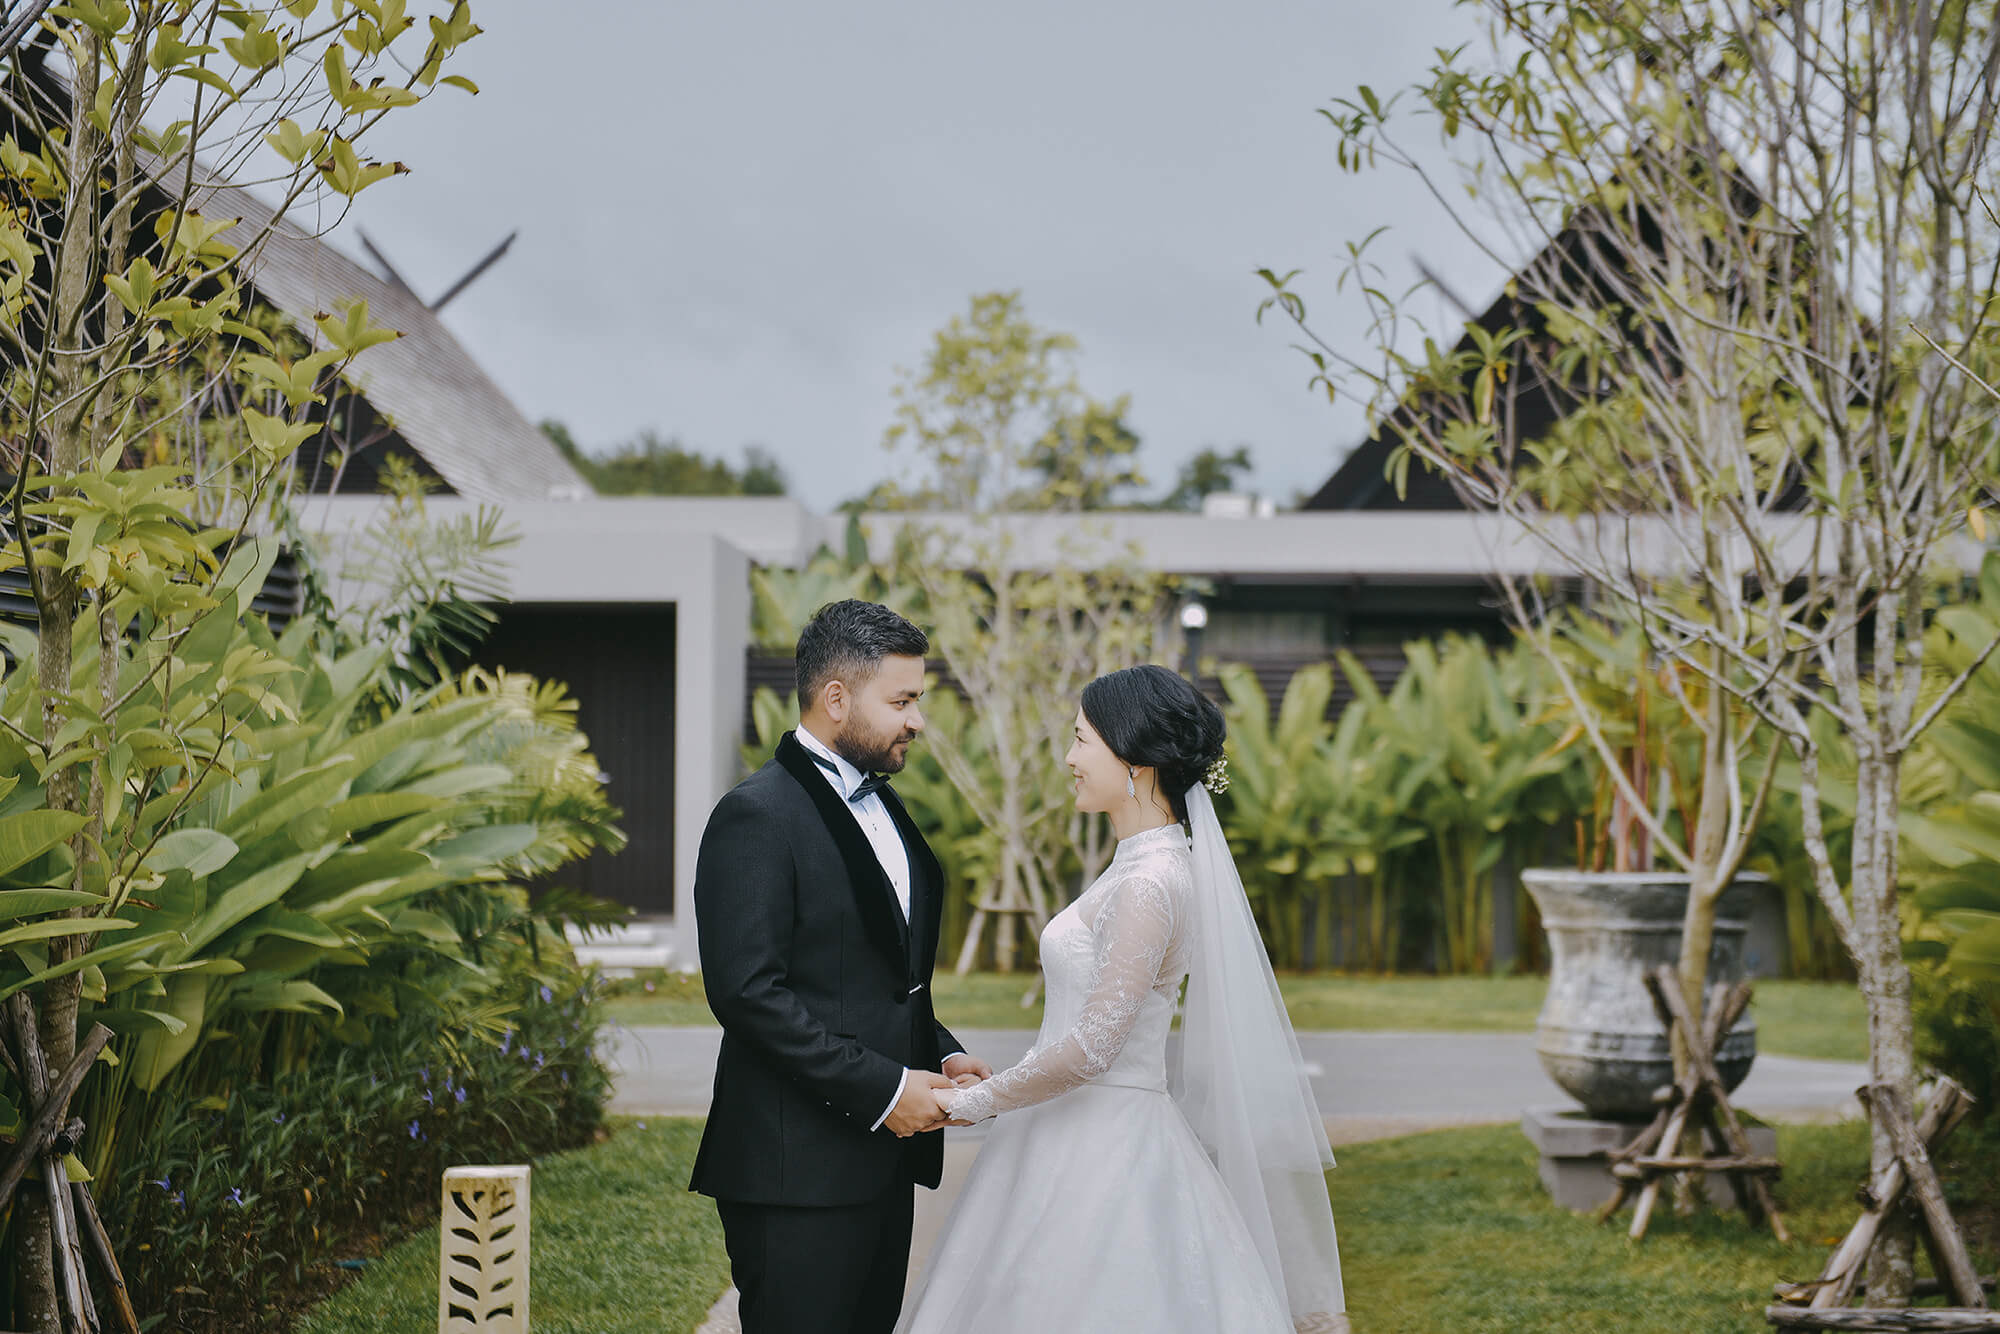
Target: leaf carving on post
483,1279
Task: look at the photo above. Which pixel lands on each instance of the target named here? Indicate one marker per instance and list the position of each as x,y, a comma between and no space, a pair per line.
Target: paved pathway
1369,1086
1362,1080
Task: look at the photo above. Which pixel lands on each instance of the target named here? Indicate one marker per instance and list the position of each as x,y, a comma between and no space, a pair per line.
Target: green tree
1762,306
1088,460
1022,615
997,419
1208,472
653,465
151,407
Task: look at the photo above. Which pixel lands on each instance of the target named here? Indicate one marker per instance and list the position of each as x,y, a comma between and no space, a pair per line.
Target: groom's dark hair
847,640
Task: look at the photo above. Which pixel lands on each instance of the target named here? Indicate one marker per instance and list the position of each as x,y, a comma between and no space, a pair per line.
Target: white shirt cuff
956,1053
901,1084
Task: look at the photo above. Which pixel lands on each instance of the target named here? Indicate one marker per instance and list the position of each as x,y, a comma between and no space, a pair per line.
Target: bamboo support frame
78,1230
1698,1100
1824,1303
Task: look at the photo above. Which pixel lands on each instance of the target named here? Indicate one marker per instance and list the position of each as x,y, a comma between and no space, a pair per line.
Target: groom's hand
917,1111
965,1071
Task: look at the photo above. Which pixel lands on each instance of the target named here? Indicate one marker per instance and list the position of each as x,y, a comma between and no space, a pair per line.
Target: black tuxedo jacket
822,990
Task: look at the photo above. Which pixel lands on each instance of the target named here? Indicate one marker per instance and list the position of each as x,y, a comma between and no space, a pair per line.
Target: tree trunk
1885,982
57,598
1707,848
1308,930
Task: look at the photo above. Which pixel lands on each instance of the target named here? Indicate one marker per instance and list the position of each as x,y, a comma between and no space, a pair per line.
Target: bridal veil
1243,1087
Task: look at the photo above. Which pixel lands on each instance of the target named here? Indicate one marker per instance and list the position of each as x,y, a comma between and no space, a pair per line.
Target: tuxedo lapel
874,897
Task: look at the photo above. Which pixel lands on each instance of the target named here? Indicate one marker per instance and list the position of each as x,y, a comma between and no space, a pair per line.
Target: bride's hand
947,1095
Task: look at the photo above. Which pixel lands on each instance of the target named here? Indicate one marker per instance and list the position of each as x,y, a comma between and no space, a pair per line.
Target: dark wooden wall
619,664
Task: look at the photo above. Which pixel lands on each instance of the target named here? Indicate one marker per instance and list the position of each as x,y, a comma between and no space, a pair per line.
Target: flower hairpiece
1216,779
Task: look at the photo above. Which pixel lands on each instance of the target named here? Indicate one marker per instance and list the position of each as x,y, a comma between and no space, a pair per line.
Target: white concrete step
623,961
625,933
625,949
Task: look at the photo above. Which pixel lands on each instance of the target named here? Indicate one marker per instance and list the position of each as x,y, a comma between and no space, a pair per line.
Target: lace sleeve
1134,932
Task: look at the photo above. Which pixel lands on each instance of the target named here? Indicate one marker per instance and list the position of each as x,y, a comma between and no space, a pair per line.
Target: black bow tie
871,783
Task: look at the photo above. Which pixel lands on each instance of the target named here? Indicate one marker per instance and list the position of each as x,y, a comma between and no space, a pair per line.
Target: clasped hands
925,1104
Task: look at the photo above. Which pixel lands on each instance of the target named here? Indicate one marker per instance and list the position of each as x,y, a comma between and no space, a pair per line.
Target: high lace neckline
1166,835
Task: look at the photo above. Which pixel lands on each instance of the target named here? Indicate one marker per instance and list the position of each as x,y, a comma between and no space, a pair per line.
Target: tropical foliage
1953,843
154,402
341,860
1388,837
1413,799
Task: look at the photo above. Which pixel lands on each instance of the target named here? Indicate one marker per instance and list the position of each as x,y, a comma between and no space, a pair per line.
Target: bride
1107,1197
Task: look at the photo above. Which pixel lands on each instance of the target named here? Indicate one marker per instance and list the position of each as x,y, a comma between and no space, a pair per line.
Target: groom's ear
833,700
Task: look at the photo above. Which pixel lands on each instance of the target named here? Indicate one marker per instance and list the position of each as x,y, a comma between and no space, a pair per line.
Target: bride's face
1099,775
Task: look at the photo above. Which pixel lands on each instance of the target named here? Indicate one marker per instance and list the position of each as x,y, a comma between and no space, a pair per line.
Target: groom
817,903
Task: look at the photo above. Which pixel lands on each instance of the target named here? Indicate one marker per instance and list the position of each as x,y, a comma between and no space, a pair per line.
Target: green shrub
233,1207
1958,1031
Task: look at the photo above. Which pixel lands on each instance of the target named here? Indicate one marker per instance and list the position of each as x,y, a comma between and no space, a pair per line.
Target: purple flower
416,1131
180,1200
424,1074
547,995
427,1098
539,1061
279,1117
166,1185
236,1196
642,1125
459,1093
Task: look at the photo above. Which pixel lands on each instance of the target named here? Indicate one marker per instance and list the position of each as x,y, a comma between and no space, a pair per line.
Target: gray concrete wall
618,551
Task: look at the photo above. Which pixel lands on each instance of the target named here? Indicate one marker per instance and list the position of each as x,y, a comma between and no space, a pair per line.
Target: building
642,605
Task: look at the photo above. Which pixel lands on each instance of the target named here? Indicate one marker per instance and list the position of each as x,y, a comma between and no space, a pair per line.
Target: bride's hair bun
1151,716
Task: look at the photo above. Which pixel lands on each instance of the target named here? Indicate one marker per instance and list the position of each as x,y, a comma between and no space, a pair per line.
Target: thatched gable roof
443,406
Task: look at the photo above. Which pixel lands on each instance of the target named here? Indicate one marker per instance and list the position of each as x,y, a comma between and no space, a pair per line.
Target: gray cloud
736,221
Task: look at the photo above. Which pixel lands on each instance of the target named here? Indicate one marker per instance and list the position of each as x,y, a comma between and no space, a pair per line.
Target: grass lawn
617,1246
1444,1231
1450,1231
1816,1019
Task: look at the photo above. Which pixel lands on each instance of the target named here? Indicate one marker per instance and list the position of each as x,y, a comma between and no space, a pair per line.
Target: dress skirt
1097,1210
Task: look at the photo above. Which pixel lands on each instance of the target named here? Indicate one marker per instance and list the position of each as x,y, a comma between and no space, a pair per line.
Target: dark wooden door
619,664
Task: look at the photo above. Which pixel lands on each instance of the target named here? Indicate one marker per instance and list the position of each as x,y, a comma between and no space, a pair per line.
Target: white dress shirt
872,814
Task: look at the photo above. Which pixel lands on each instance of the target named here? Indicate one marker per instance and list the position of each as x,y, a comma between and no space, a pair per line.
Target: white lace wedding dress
1092,1205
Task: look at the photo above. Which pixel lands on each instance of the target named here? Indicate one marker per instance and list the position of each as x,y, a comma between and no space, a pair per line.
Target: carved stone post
483,1251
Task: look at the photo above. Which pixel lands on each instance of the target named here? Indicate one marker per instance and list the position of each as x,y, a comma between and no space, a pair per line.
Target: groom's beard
874,752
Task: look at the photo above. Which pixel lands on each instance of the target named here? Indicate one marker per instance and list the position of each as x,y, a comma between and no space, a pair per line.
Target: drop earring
1131,788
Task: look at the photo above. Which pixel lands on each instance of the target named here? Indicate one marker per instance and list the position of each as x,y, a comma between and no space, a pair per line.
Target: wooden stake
1665,986
1888,1321
78,1315
99,1242
1948,1243
50,1107
1948,1105
1698,1102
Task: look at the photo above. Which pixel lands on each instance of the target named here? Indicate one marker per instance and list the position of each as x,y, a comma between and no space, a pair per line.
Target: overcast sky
737,221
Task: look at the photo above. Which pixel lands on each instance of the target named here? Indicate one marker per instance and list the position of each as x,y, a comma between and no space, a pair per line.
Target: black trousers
838,1270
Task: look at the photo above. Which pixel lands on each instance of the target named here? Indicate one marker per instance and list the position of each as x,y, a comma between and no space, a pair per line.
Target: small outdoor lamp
1194,619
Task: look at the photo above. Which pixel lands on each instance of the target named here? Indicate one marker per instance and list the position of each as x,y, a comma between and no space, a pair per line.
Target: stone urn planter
1597,1034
